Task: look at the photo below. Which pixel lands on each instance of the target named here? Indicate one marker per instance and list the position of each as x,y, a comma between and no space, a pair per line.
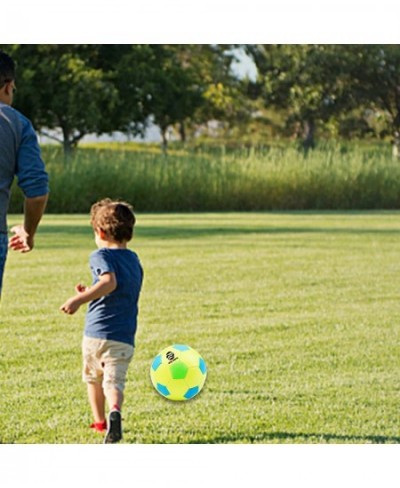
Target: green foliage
102,88
188,84
326,90
60,87
318,84
375,73
295,314
213,179
174,87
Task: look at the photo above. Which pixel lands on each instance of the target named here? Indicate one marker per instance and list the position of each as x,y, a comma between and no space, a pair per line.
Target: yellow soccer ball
178,372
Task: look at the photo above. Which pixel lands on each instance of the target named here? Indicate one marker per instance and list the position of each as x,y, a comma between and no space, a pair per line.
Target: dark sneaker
114,432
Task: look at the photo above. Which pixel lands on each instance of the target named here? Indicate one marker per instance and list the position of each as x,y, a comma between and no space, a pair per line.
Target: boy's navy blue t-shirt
114,316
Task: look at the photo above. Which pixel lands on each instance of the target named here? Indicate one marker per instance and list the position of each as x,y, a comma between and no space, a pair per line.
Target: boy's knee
110,385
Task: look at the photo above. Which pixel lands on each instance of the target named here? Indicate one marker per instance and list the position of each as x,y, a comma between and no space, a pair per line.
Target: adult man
19,156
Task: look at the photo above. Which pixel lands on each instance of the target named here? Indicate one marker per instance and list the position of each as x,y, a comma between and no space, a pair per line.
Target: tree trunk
67,144
164,144
182,132
396,145
70,142
308,135
68,150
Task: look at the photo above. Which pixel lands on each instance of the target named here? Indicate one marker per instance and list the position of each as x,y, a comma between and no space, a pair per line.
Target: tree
100,88
132,70
375,82
58,87
225,96
316,84
173,88
310,82
190,84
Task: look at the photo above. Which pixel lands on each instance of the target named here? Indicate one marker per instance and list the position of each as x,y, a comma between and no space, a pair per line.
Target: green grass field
296,314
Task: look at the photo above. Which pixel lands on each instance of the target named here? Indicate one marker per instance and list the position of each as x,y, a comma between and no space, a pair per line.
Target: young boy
111,319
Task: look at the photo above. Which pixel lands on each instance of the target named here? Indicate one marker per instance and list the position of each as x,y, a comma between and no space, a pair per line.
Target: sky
245,66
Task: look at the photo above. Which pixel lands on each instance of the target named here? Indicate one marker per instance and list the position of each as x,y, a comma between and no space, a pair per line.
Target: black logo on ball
171,357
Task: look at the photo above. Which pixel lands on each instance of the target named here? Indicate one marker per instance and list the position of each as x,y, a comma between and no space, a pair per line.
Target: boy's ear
101,233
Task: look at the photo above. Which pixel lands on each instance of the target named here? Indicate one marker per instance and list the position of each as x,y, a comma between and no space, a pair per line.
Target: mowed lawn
296,315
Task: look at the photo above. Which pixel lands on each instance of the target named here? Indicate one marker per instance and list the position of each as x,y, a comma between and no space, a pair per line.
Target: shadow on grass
71,230
187,232
65,236
195,232
300,438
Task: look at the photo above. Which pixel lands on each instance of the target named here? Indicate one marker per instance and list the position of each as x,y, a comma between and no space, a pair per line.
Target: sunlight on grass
295,314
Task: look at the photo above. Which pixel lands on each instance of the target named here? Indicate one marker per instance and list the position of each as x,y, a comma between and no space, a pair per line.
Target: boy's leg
97,401
92,375
114,427
116,362
116,366
115,398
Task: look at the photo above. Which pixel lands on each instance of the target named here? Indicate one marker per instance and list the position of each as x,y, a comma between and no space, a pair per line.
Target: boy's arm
107,284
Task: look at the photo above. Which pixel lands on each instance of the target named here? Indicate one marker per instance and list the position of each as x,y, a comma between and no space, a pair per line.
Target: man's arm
23,238
33,181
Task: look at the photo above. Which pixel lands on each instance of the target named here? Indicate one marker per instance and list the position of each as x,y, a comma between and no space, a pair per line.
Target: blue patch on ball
181,347
156,363
191,392
163,389
202,366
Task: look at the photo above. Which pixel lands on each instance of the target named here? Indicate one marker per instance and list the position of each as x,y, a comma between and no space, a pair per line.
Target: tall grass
331,177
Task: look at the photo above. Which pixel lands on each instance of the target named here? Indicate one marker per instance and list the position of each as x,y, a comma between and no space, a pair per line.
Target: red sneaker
100,427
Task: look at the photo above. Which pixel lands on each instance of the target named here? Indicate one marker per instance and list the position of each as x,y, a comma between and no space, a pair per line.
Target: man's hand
21,241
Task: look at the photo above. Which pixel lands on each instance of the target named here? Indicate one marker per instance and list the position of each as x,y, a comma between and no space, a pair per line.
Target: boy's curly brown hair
115,218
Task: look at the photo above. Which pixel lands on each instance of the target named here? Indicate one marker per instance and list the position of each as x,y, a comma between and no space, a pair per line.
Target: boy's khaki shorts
106,362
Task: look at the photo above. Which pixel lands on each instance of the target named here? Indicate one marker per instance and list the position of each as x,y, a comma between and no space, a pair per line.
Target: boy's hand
79,288
71,305
106,285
